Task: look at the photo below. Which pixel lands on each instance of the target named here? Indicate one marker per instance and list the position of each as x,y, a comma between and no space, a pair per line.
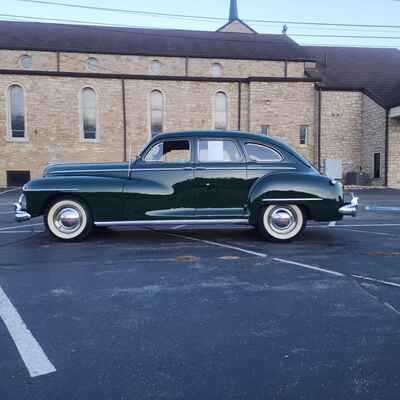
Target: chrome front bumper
20,214
350,209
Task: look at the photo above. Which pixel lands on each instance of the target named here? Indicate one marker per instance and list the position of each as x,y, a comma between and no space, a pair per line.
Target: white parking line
327,271
9,191
227,246
29,349
6,228
367,278
363,225
18,232
382,208
370,232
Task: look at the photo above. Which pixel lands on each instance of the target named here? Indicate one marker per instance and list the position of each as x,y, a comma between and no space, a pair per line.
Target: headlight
22,201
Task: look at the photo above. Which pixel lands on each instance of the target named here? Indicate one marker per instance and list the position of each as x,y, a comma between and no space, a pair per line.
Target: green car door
161,184
220,179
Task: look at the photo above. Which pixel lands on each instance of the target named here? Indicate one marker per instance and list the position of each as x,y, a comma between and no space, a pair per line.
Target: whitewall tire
68,219
281,223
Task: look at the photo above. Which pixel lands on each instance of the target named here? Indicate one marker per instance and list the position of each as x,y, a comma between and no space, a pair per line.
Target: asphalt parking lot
203,313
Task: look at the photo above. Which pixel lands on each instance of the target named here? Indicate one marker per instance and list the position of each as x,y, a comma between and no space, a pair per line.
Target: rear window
258,152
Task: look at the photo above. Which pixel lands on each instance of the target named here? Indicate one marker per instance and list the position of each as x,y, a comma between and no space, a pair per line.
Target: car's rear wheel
281,223
68,219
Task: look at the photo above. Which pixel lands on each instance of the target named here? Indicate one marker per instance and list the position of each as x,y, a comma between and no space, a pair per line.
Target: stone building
90,93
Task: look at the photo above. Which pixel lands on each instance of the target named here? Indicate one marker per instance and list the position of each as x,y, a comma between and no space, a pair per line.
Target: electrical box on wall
333,169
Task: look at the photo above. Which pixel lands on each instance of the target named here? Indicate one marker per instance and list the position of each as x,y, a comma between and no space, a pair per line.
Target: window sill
94,141
16,140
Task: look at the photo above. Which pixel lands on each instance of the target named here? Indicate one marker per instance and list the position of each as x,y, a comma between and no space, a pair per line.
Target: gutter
152,77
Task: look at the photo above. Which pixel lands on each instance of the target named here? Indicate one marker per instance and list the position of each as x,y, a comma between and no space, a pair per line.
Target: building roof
144,41
375,70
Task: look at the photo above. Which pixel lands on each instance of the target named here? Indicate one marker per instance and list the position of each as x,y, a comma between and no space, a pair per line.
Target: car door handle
208,184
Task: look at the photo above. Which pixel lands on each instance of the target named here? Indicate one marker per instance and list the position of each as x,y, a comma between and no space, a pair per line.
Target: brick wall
53,118
236,26
41,60
285,106
341,128
394,153
188,105
141,65
53,123
295,69
373,137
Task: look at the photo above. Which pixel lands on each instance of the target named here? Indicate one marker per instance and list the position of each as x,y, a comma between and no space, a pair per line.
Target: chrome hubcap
282,220
68,220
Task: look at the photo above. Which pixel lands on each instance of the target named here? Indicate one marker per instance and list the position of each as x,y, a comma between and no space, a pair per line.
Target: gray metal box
333,169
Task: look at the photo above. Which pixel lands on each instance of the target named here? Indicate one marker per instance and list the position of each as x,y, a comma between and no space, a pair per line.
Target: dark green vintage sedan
188,178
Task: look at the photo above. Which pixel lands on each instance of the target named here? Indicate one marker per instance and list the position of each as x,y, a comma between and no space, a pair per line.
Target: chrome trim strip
261,167
161,169
74,171
303,199
51,190
221,168
173,222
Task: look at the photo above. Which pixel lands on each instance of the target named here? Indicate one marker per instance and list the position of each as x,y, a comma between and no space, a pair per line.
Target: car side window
261,153
170,151
218,151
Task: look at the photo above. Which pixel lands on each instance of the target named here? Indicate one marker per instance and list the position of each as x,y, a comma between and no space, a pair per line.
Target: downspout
58,61
239,105
319,129
387,149
124,118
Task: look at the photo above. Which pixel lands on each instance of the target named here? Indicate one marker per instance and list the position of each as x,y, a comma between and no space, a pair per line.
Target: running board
174,222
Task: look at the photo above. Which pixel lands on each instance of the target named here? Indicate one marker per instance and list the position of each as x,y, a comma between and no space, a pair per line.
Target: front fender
102,195
317,194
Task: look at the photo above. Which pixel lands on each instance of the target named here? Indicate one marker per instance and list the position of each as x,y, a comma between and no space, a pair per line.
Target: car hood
87,169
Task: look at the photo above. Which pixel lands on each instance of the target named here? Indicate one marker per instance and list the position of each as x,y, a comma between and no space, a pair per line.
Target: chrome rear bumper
20,214
350,209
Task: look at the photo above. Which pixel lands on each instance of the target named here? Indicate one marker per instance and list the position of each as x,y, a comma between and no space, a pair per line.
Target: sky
375,12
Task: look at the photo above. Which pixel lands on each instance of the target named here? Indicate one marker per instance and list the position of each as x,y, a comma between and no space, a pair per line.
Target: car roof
198,134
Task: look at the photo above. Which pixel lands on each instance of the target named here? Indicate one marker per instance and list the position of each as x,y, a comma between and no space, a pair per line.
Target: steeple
235,24
233,11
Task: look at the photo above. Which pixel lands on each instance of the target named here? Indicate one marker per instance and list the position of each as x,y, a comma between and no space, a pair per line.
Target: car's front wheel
281,223
68,219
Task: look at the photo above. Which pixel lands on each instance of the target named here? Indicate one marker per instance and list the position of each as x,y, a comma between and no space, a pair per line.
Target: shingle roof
377,70
143,41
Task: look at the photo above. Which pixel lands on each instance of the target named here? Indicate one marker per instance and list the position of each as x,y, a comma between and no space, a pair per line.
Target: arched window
16,110
155,67
88,114
157,112
26,61
92,64
216,70
221,111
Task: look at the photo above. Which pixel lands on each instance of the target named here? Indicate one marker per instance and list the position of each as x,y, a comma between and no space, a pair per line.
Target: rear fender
316,194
